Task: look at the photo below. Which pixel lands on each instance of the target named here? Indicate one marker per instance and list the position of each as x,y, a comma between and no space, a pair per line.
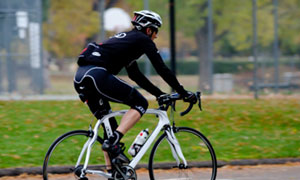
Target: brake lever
198,94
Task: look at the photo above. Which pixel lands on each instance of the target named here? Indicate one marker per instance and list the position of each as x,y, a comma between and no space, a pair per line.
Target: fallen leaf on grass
14,156
5,136
36,136
256,147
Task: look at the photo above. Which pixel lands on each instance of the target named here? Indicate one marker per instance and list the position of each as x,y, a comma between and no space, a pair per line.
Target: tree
69,24
289,28
232,21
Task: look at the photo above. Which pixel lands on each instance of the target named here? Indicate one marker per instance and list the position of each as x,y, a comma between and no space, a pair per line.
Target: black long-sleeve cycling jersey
122,50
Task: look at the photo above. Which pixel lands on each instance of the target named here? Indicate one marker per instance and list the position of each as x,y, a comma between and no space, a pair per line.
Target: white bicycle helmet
145,18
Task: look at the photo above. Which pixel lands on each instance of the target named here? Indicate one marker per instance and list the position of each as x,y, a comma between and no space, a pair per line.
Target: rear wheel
62,156
197,150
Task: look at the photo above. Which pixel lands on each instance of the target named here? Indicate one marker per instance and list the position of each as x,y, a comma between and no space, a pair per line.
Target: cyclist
99,63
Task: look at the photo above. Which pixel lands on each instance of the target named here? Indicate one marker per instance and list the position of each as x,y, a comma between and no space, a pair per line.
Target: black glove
190,97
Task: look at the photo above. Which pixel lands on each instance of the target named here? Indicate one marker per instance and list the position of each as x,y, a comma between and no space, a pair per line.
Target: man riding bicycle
97,84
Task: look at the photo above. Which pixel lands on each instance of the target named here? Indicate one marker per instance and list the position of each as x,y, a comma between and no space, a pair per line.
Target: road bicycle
179,153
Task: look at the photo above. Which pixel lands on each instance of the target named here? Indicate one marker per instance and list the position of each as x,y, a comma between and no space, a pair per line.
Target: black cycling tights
99,87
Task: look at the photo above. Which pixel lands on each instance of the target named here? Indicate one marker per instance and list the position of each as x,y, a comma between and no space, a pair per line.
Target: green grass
237,129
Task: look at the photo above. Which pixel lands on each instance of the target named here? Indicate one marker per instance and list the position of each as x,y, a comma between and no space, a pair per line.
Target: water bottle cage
137,148
138,143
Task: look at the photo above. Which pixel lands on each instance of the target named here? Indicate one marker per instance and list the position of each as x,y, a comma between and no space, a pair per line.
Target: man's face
151,33
154,35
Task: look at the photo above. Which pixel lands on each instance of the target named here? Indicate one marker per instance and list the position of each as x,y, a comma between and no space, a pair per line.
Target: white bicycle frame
163,122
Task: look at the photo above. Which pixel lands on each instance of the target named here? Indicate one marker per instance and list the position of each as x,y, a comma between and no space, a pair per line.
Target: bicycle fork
175,147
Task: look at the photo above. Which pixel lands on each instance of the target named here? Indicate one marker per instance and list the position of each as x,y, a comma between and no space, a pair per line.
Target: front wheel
63,154
197,150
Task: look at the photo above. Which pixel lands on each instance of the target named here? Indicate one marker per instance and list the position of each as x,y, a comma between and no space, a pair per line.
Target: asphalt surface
288,171
221,164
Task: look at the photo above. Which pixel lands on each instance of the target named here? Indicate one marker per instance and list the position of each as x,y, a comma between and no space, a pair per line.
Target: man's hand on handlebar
190,97
167,100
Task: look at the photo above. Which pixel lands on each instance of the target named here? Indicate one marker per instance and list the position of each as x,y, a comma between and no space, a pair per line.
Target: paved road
260,172
289,171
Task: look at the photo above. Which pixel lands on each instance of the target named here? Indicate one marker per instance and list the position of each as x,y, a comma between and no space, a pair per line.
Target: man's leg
129,120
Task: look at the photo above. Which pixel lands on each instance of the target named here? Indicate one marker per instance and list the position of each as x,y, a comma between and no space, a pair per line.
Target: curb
66,169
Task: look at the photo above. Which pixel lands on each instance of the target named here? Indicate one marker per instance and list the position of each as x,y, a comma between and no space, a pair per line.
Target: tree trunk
204,65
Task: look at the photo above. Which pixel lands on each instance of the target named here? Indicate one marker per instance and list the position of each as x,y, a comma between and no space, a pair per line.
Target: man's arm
162,69
135,74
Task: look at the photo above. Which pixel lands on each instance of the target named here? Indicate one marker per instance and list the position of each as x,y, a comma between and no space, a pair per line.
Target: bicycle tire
62,155
197,150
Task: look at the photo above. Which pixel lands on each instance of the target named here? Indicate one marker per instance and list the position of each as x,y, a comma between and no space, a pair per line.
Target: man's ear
149,31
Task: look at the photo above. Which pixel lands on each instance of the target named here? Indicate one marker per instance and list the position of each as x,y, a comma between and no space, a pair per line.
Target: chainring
125,173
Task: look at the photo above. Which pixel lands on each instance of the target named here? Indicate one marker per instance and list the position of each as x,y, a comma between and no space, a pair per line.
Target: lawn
237,129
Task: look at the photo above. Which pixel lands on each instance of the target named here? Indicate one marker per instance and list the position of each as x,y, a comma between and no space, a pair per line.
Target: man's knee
141,106
138,102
